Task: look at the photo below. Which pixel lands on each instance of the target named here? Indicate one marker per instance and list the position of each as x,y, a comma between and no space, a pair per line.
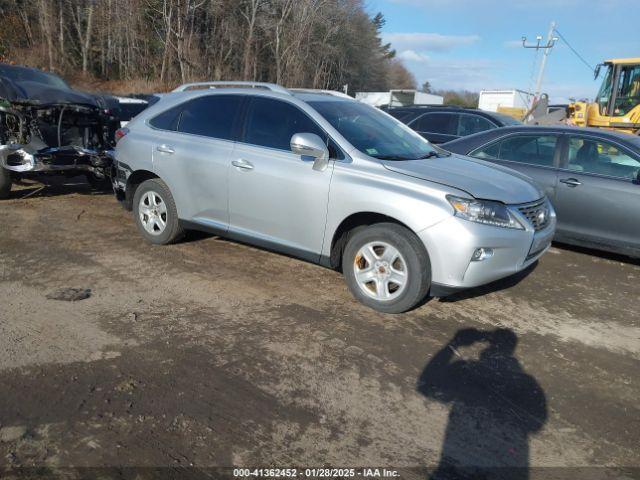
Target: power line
574,50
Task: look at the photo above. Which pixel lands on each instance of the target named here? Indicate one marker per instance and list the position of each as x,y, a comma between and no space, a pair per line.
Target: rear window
167,120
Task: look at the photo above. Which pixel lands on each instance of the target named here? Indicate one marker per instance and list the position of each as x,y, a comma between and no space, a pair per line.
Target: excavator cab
617,104
620,90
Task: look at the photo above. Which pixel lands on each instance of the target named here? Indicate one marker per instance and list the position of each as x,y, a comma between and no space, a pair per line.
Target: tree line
298,43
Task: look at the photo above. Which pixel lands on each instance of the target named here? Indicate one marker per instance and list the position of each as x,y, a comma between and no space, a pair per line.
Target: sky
477,44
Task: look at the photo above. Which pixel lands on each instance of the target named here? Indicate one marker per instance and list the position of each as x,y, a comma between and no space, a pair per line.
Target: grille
532,212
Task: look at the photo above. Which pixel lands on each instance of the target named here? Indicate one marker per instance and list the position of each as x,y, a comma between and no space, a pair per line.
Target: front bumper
25,158
452,242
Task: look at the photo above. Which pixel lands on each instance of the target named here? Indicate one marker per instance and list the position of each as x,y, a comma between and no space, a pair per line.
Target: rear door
437,127
192,155
536,155
598,193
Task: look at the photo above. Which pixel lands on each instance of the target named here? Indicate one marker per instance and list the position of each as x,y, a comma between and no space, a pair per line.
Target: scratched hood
482,180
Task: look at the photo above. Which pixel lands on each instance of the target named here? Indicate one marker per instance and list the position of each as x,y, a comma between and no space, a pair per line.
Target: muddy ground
212,353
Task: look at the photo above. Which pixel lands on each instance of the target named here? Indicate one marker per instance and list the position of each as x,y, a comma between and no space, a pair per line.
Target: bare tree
250,13
82,18
304,43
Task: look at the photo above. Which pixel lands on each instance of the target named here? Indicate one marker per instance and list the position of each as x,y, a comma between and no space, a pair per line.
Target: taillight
121,132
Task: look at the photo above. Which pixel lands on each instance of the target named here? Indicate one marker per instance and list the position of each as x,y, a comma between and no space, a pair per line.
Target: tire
5,183
154,205
97,183
377,257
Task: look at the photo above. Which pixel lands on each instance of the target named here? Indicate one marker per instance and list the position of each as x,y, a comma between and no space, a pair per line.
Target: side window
470,124
272,123
602,158
403,116
167,120
445,123
531,149
492,151
210,116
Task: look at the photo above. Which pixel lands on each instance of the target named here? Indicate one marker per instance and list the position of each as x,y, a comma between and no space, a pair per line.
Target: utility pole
551,41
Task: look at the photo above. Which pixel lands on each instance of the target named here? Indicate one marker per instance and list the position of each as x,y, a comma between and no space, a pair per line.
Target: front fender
416,203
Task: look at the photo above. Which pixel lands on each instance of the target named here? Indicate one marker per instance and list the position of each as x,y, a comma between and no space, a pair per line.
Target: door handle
242,164
164,148
572,182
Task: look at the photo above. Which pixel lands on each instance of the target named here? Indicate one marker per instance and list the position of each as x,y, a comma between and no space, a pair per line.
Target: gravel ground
212,353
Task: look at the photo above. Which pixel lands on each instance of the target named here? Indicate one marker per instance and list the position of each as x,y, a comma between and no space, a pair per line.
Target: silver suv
320,176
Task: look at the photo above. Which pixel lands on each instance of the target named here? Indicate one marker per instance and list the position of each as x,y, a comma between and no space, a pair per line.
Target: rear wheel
156,214
100,183
5,183
387,268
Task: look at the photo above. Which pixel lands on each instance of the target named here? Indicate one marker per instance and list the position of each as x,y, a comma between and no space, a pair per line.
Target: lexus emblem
541,217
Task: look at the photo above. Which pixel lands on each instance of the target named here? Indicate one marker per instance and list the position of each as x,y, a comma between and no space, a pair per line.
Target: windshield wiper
390,157
429,155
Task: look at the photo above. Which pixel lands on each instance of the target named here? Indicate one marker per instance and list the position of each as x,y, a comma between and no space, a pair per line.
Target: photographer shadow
495,407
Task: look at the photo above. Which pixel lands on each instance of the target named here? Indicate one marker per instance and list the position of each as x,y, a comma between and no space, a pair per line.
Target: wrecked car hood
481,179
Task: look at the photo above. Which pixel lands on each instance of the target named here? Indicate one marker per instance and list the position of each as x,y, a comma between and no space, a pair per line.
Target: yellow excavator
617,105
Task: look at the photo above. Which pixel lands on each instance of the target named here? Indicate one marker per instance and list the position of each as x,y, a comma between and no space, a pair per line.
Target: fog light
481,254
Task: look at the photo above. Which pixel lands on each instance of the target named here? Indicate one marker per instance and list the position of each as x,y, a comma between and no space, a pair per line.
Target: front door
598,193
276,198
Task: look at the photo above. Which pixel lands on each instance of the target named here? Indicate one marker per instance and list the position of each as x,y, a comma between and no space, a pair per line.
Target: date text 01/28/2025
315,472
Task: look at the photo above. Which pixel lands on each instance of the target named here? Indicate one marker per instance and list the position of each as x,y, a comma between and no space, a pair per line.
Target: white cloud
412,56
428,42
484,74
513,43
464,74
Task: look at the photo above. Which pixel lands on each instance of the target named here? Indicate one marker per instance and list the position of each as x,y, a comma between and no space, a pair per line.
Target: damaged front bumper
28,158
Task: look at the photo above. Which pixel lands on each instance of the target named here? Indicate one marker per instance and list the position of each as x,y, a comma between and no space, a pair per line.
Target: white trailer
399,98
491,100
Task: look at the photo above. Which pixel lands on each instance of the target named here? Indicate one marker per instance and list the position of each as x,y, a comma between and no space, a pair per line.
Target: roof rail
334,93
429,105
223,84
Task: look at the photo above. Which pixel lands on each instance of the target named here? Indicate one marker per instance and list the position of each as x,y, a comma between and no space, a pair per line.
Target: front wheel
156,213
387,268
5,183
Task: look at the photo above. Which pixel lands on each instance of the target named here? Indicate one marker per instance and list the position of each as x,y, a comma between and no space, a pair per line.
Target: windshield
373,132
604,94
20,74
628,94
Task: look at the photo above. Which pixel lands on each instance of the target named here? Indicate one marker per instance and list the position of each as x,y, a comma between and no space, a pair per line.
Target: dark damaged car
47,127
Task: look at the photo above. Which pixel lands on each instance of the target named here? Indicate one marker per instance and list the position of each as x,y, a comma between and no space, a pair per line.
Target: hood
482,180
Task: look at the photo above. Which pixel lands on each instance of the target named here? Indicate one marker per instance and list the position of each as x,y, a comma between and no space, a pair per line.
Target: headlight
484,211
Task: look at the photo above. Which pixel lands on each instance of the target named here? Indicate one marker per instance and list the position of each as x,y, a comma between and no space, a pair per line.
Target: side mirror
311,146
